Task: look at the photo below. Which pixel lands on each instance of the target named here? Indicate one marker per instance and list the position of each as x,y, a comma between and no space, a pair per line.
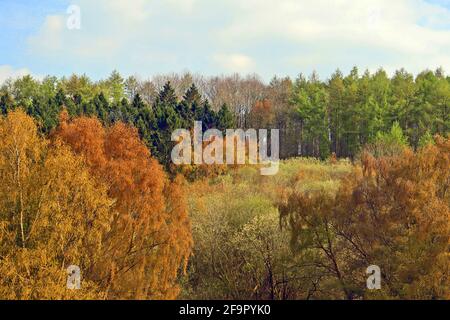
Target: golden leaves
54,214
93,198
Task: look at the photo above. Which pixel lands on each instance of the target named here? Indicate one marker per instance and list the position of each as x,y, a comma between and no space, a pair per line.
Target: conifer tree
225,119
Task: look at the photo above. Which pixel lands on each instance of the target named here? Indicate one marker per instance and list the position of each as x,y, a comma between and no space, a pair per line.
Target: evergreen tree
225,119
116,86
207,116
166,120
311,100
167,96
6,103
426,140
102,108
190,106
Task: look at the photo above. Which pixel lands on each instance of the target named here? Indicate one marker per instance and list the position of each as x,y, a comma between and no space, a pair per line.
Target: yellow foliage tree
52,215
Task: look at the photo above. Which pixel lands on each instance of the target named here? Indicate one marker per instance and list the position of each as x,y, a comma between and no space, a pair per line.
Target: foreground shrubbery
336,220
240,251
392,212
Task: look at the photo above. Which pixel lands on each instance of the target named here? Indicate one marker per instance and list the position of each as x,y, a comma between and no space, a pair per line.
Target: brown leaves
150,239
395,215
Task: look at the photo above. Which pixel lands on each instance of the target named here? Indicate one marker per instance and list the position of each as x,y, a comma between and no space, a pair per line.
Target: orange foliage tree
150,238
262,114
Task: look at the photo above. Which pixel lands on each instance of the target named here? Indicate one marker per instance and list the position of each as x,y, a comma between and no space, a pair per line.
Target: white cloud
7,72
234,62
372,33
184,6
264,36
129,11
50,38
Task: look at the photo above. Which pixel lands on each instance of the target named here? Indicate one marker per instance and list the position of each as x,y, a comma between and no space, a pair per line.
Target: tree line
316,118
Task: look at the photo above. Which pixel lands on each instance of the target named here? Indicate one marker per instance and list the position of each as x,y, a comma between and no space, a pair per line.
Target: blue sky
267,37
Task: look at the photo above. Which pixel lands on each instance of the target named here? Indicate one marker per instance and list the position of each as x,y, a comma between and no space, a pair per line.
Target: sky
211,37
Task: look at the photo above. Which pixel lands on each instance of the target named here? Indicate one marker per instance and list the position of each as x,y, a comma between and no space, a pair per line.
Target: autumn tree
392,212
53,214
262,114
150,240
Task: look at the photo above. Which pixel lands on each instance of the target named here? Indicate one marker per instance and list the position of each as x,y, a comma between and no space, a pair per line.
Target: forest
87,180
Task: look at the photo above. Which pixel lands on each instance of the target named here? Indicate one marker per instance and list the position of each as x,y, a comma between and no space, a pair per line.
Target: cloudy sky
268,37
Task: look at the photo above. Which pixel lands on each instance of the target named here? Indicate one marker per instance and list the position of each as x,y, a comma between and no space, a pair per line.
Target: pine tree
207,116
167,96
6,103
225,119
189,106
166,120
